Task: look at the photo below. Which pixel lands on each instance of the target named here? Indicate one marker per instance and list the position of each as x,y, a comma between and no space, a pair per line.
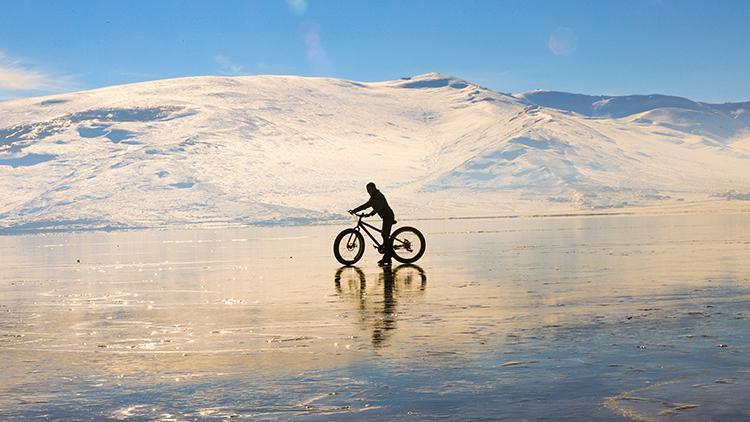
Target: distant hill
719,120
286,149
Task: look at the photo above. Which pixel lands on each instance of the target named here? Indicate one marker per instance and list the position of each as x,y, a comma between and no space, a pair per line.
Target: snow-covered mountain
720,121
278,149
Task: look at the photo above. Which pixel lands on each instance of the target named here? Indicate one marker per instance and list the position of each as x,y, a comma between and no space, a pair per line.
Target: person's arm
361,207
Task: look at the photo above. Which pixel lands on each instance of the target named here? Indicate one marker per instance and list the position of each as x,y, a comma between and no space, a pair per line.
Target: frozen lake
606,318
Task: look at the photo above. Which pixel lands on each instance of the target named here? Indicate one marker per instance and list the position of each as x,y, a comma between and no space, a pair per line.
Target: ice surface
590,318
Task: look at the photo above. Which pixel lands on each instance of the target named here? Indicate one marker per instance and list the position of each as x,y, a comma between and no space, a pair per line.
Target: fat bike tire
407,244
349,247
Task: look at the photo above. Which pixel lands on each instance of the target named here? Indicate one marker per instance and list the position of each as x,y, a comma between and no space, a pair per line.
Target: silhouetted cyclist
380,207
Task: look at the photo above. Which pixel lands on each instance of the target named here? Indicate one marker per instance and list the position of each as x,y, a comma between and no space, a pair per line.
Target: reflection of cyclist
380,207
399,283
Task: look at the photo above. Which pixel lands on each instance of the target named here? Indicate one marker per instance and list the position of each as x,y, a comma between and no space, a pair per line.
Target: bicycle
407,243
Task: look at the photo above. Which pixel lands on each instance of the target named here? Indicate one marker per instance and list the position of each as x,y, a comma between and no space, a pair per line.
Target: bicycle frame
398,243
362,226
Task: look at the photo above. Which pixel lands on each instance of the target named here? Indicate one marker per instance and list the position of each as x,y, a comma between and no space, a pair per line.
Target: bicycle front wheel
407,244
349,246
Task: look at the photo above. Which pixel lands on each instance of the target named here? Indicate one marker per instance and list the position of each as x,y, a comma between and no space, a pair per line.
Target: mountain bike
407,243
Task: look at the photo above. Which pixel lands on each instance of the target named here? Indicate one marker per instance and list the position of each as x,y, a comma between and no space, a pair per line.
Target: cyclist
379,206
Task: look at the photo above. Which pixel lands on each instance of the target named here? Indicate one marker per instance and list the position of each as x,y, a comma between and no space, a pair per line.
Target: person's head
371,189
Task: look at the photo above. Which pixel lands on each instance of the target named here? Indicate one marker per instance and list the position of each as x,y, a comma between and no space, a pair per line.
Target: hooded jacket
379,204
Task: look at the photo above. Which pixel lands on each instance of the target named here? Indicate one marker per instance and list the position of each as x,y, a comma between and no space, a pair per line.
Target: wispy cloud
227,66
316,53
17,76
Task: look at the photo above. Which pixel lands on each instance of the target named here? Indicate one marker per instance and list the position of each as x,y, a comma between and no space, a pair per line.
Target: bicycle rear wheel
410,277
407,244
349,246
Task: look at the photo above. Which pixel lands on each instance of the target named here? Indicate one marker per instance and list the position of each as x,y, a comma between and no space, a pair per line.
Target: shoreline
694,208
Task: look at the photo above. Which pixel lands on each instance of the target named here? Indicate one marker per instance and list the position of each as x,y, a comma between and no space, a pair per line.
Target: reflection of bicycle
351,276
406,281
410,277
407,243
407,277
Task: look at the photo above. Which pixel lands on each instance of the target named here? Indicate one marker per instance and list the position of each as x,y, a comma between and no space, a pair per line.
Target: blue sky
696,49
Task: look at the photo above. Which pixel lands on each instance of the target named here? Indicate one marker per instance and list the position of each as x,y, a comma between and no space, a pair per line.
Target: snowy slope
723,121
278,149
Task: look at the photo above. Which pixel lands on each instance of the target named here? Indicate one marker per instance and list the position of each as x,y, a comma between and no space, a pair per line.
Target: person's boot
386,261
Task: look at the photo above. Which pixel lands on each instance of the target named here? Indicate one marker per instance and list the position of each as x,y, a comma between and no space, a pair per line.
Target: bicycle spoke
407,245
348,247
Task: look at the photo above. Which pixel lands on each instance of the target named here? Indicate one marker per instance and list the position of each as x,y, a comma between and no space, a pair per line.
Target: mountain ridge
288,149
600,105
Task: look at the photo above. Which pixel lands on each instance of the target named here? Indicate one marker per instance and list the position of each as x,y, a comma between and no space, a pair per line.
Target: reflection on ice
400,282
592,318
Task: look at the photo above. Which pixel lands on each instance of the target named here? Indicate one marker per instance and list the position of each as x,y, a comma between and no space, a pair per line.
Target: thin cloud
227,66
316,53
15,75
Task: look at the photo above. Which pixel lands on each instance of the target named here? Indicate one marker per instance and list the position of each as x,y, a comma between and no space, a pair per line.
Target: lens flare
562,41
297,7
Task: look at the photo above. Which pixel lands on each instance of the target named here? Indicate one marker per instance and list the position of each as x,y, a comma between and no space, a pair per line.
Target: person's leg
387,252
